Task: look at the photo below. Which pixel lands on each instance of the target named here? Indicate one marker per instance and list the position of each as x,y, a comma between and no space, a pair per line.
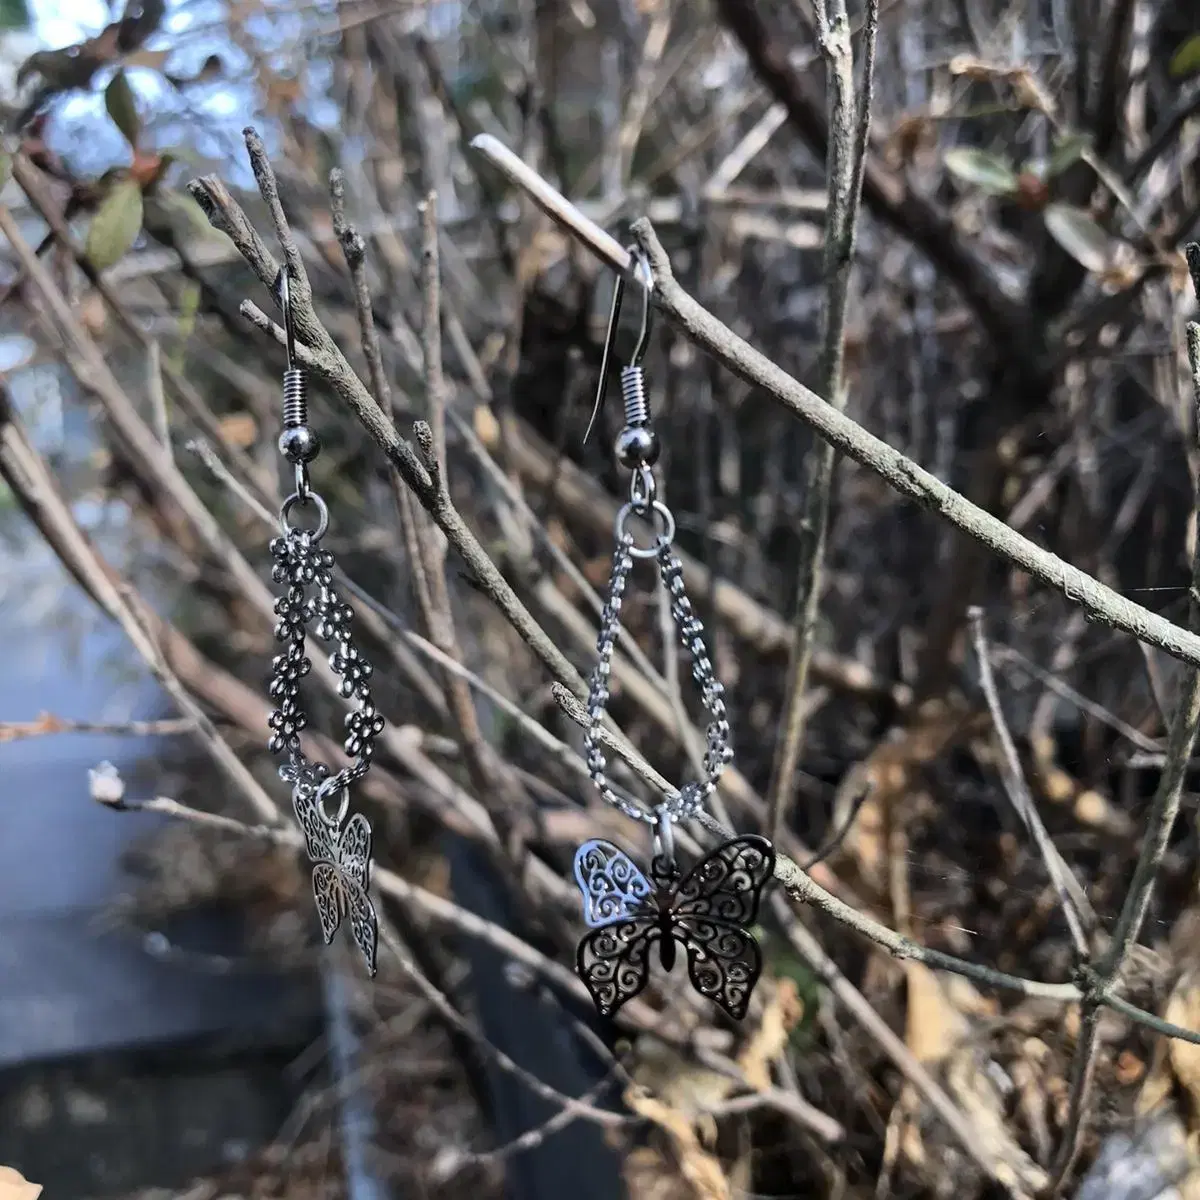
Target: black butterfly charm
341,872
709,910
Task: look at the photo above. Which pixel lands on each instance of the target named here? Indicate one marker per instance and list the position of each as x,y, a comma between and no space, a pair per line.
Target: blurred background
170,1024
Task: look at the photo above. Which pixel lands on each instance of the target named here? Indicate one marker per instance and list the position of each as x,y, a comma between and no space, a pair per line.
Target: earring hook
641,264
289,320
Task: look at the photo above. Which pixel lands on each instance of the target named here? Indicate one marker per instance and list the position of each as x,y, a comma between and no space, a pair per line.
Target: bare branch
849,126
1102,604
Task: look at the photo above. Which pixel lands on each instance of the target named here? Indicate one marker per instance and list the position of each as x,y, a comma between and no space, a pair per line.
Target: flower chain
302,565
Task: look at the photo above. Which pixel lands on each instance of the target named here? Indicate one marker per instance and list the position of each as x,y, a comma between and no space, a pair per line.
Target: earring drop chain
637,448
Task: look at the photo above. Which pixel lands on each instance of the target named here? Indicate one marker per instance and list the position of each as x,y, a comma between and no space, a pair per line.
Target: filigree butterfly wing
612,884
619,903
354,865
341,873
320,838
614,960
712,908
354,851
727,883
330,896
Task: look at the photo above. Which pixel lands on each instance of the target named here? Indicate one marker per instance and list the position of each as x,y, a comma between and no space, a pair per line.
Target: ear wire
297,443
633,390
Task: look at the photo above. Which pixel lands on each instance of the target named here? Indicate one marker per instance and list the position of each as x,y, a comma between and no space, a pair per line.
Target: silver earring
709,910
338,844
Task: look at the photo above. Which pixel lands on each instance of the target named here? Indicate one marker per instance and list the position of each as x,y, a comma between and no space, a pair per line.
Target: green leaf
984,170
14,14
1068,149
118,99
1186,60
116,225
1075,231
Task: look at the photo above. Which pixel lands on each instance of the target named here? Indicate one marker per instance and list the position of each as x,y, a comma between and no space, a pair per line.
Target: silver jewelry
338,844
710,909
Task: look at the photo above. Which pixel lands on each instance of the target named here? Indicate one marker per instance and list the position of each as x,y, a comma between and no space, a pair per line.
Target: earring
710,909
340,849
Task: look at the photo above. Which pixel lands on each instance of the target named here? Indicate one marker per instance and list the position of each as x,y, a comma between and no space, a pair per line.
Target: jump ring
666,537
643,489
312,498
302,488
334,784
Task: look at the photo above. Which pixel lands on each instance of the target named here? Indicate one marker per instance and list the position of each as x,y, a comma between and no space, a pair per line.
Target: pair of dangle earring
710,909
339,845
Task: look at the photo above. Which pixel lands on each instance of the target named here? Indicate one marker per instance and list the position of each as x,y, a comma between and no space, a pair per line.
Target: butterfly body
707,911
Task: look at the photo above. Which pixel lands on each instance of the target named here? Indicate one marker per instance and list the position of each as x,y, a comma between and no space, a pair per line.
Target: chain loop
666,537
692,797
322,515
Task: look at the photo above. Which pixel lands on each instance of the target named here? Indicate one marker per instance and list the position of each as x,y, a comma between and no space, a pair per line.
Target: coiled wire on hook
295,382
633,393
298,443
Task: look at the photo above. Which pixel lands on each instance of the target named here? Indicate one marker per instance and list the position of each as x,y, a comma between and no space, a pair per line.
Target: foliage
1016,304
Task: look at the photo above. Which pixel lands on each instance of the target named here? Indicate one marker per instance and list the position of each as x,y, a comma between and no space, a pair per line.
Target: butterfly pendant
708,911
341,874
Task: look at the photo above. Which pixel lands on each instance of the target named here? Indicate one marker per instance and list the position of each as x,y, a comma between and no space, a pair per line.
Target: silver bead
637,446
299,444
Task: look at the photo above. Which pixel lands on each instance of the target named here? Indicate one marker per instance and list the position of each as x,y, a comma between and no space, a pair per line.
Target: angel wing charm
708,911
341,872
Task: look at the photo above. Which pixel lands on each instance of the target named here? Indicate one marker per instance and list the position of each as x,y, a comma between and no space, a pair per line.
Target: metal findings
339,848
710,909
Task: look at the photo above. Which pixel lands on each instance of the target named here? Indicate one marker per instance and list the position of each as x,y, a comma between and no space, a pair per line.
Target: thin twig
849,125
1080,916
931,1091
47,723
354,250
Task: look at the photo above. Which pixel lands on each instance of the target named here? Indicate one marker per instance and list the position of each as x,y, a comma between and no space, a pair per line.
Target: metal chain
692,796
719,752
610,630
306,568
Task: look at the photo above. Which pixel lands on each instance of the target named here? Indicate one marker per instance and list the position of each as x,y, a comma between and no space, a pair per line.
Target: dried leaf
239,429
14,1186
122,107
781,1015
1183,1008
1079,235
988,172
1186,60
933,1025
487,428
116,225
698,1167
691,1090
